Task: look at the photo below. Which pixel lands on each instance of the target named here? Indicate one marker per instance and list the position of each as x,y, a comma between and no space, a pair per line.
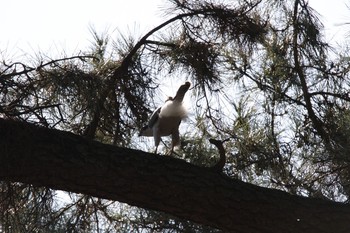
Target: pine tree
265,84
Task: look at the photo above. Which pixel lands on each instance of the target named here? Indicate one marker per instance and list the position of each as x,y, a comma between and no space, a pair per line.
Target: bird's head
180,93
187,85
184,88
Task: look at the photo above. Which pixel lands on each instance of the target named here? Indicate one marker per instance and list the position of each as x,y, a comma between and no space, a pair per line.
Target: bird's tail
146,131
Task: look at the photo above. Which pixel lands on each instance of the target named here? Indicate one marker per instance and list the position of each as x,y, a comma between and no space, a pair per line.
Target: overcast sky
64,24
53,26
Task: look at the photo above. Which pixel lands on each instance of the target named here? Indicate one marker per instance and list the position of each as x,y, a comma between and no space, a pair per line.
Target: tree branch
221,163
302,77
64,161
27,69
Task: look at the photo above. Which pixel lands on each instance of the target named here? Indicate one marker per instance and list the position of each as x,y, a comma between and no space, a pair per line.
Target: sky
333,14
56,25
53,26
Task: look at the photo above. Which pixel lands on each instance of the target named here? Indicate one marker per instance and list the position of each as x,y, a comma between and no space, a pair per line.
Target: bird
166,119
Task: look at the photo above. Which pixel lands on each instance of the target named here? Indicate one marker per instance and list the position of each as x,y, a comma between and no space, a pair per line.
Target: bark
64,161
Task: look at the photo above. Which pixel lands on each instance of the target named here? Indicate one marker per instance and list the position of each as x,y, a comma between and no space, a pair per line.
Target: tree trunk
61,160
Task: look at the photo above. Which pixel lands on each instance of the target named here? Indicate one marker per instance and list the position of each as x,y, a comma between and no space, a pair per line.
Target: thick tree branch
61,160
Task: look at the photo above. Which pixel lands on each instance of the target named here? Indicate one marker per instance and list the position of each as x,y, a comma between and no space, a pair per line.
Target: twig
221,163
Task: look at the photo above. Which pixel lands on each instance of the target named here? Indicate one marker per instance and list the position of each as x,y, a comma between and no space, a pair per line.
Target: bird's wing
154,117
147,129
181,92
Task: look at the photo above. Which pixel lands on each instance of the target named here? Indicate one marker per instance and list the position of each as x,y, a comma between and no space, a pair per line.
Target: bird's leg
156,137
175,139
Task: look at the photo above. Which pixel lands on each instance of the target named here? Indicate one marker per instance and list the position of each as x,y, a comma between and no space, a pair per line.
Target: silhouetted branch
28,69
221,163
62,160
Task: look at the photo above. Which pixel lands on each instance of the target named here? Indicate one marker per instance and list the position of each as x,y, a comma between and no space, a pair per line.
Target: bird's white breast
173,109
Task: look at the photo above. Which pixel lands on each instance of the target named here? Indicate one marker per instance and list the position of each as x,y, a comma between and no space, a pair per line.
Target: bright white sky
57,26
333,13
